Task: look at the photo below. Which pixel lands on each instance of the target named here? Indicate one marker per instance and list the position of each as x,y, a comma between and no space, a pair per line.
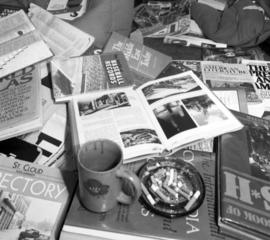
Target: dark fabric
235,26
17,4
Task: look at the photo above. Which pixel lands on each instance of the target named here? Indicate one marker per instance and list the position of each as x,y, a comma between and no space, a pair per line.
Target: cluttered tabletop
134,119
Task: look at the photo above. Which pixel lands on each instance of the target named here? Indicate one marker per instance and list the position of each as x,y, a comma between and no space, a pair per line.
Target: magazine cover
136,221
260,70
143,60
243,175
20,102
159,117
90,73
219,75
33,199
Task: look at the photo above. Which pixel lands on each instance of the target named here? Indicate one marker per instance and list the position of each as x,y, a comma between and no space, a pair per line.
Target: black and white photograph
23,217
105,102
259,145
173,118
203,110
139,136
160,90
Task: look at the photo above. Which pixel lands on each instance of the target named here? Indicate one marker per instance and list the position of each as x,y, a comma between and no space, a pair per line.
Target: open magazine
158,117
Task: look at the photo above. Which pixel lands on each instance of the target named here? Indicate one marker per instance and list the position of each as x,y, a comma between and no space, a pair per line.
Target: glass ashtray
171,187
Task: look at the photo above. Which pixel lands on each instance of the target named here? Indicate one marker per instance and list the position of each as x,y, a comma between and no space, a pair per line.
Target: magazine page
184,110
119,116
64,39
20,102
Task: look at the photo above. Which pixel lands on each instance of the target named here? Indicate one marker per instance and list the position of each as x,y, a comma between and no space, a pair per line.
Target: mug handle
132,191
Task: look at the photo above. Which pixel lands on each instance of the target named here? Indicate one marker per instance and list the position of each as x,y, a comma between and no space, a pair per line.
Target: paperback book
156,118
20,44
89,73
20,102
260,71
33,199
141,59
137,222
243,179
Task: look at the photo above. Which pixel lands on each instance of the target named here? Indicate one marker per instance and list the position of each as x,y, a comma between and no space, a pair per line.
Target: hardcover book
90,73
137,222
159,117
20,102
141,59
243,179
33,199
20,44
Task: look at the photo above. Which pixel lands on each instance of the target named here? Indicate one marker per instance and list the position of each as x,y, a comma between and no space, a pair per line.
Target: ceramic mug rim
117,165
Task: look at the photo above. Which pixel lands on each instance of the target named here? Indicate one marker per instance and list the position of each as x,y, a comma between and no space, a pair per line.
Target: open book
20,44
158,117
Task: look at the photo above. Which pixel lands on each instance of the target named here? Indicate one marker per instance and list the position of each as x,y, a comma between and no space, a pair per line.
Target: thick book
141,59
243,179
156,118
20,102
34,199
20,44
89,73
137,222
